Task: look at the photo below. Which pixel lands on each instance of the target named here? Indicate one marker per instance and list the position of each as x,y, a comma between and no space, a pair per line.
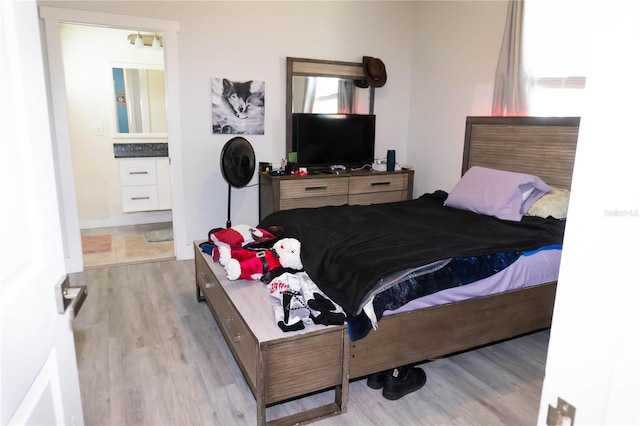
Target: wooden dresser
317,190
278,366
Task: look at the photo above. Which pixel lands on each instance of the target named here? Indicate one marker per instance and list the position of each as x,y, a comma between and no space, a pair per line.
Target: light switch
99,130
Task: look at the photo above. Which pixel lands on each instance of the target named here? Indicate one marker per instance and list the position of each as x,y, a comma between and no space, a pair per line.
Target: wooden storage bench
270,359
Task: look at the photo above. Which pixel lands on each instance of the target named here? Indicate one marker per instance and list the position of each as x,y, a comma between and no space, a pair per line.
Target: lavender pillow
505,195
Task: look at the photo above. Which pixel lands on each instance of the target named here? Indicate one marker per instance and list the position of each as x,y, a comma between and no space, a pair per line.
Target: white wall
455,53
250,40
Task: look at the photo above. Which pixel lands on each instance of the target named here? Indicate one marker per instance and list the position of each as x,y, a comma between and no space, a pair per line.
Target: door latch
68,297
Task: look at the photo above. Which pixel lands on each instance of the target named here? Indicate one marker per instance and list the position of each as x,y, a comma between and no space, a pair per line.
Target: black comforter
348,250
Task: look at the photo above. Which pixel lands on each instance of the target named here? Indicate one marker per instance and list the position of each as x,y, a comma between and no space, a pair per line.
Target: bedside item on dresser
379,165
264,167
237,162
391,160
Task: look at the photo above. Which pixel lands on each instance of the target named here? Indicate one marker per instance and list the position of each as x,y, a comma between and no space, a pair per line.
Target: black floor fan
238,163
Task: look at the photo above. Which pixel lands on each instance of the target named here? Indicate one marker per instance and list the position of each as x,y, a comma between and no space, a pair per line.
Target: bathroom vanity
145,178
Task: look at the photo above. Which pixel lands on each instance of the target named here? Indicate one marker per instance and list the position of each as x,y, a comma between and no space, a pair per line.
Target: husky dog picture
237,107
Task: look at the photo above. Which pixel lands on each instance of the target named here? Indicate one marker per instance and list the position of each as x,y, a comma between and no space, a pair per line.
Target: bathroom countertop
134,150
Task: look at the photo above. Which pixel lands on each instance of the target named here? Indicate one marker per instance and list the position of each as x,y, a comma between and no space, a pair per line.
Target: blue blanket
457,272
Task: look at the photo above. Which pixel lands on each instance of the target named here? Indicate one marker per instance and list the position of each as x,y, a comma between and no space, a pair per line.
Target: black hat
374,71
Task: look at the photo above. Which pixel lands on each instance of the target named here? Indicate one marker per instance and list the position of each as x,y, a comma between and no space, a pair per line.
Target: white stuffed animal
253,264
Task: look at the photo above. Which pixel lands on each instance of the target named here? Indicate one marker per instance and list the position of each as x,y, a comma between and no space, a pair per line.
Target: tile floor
128,245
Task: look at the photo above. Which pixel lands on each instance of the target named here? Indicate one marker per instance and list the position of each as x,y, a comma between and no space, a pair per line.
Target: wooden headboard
540,146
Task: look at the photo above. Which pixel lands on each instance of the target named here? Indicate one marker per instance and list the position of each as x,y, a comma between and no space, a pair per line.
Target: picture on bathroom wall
237,107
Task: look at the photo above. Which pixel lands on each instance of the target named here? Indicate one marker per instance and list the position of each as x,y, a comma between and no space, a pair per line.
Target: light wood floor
128,245
150,354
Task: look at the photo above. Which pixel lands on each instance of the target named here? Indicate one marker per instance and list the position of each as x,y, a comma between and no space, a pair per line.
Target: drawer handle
380,183
315,188
138,173
139,198
236,338
208,285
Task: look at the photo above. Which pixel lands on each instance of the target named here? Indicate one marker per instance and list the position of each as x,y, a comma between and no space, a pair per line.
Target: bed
544,147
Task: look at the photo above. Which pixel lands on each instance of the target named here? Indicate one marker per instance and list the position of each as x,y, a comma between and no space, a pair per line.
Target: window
555,35
326,101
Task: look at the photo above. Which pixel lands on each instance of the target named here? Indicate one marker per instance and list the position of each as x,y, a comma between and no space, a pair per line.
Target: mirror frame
116,134
320,68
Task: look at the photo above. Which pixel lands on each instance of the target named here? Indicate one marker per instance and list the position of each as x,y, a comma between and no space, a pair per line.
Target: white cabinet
145,184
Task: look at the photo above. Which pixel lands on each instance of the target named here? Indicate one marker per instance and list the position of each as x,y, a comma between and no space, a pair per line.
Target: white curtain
512,85
309,91
346,90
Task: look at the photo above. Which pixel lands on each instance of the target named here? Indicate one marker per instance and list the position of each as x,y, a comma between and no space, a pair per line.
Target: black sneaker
378,380
403,381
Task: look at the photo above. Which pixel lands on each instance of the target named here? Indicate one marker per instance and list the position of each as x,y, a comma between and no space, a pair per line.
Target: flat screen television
324,140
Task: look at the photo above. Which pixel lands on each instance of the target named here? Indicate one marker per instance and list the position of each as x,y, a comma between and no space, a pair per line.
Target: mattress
529,270
348,251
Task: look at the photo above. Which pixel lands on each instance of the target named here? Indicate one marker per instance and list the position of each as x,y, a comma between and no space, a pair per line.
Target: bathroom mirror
140,102
326,87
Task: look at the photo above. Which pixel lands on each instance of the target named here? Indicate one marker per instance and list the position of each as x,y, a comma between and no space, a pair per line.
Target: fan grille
237,162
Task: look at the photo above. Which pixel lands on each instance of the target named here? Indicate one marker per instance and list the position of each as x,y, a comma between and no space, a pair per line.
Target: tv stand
340,187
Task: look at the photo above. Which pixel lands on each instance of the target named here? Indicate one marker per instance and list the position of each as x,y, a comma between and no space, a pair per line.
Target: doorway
105,112
71,221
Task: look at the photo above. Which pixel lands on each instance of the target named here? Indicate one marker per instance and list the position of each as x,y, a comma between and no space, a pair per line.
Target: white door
38,370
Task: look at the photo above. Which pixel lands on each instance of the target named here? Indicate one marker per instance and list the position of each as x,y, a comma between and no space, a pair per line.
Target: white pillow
554,204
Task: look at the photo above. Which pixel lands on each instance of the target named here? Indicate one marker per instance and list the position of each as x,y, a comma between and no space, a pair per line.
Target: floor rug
157,235
96,243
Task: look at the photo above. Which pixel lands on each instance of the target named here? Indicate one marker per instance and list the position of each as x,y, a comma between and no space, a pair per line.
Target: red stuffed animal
253,264
238,236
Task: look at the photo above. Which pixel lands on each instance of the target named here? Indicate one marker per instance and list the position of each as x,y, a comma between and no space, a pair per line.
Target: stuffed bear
253,264
238,236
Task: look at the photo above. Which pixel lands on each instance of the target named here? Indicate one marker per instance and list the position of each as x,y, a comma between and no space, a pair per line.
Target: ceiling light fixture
140,40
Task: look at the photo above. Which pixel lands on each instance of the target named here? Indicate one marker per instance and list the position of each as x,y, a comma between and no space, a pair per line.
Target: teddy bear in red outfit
253,264
238,236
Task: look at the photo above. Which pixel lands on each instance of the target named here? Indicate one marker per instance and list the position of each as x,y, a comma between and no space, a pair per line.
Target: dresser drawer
376,183
236,333
139,198
306,188
377,197
333,200
137,172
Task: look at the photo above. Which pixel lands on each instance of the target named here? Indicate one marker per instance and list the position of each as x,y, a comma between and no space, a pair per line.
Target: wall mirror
140,102
326,87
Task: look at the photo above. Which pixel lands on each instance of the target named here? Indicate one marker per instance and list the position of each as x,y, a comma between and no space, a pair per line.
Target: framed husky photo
237,107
